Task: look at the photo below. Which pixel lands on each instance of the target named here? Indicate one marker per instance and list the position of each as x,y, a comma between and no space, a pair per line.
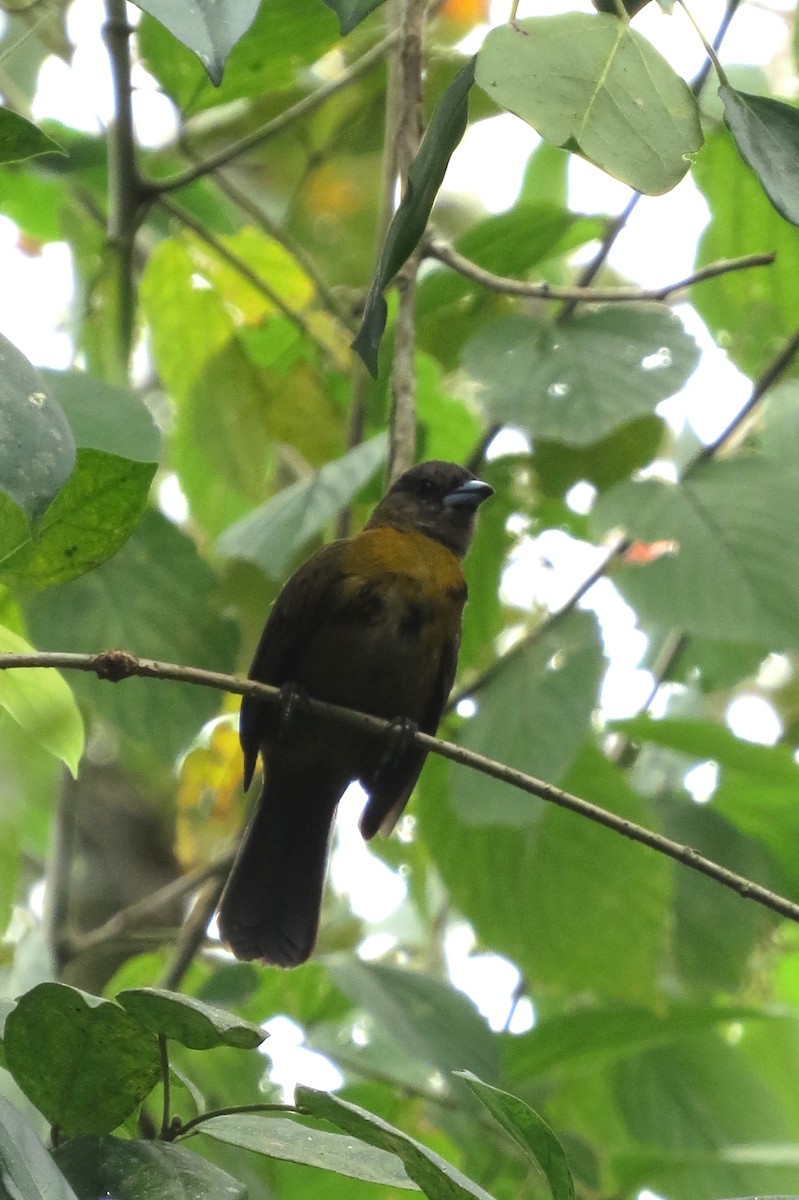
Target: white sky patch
293,1063
487,979
753,719
373,889
701,781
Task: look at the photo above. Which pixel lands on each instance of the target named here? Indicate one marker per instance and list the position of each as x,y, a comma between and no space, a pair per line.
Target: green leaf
577,383
37,453
210,28
92,516
27,1172
273,534
533,714
562,881
105,418
592,84
351,12
155,598
188,1021
750,313
428,1018
438,1179
286,1139
766,132
133,1170
530,1132
22,139
81,1060
558,466
736,557
426,173
42,703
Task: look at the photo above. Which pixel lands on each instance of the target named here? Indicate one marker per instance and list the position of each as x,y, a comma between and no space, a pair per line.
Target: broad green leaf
577,383
272,535
351,12
27,1172
533,714
594,85
438,1179
558,466
426,173
735,563
779,432
530,1132
41,702
286,1139
210,28
561,882
750,313
105,418
91,517
154,598
766,132
188,1021
133,1170
37,453
428,1018
65,1049
22,139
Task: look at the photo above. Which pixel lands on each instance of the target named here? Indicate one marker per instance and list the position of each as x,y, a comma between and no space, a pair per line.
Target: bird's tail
270,906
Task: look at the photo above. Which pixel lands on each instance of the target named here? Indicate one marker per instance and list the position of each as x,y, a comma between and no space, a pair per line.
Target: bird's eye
425,487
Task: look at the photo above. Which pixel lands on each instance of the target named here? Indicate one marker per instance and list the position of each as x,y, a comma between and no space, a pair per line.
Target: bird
371,622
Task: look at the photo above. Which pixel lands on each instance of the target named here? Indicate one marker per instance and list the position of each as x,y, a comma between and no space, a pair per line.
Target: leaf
429,1019
210,28
426,173
101,417
766,132
351,12
558,466
155,598
133,1170
273,534
92,516
65,1048
27,1172
188,1021
530,1132
736,561
559,882
579,382
41,702
592,84
286,1139
750,313
37,450
21,139
438,1179
533,714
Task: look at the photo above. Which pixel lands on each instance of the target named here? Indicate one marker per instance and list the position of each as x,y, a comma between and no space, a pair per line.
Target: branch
155,188
446,254
192,934
115,665
124,183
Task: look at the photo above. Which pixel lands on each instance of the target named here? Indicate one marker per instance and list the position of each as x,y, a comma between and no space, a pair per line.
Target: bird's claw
292,700
399,737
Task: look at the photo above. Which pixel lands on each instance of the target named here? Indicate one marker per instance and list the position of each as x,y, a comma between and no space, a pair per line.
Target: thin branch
192,935
234,1110
166,1116
138,913
124,183
450,257
277,125
245,270
58,878
115,665
405,102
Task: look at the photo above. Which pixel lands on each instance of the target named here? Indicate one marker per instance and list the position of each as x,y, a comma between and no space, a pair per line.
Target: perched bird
371,622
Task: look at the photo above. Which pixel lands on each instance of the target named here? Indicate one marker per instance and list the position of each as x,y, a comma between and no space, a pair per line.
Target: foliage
212,426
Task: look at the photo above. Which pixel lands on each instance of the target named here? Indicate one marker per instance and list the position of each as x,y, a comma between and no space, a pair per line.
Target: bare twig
124,183
278,124
450,257
115,665
192,935
196,1123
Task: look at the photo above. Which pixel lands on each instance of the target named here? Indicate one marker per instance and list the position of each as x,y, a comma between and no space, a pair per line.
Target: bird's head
438,499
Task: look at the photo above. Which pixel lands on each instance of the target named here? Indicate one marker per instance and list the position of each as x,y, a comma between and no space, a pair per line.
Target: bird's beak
469,495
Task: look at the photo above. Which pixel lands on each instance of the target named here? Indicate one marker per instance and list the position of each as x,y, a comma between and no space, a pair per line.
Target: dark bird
371,622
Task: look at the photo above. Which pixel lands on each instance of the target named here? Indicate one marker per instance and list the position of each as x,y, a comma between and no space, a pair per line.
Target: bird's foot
398,739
